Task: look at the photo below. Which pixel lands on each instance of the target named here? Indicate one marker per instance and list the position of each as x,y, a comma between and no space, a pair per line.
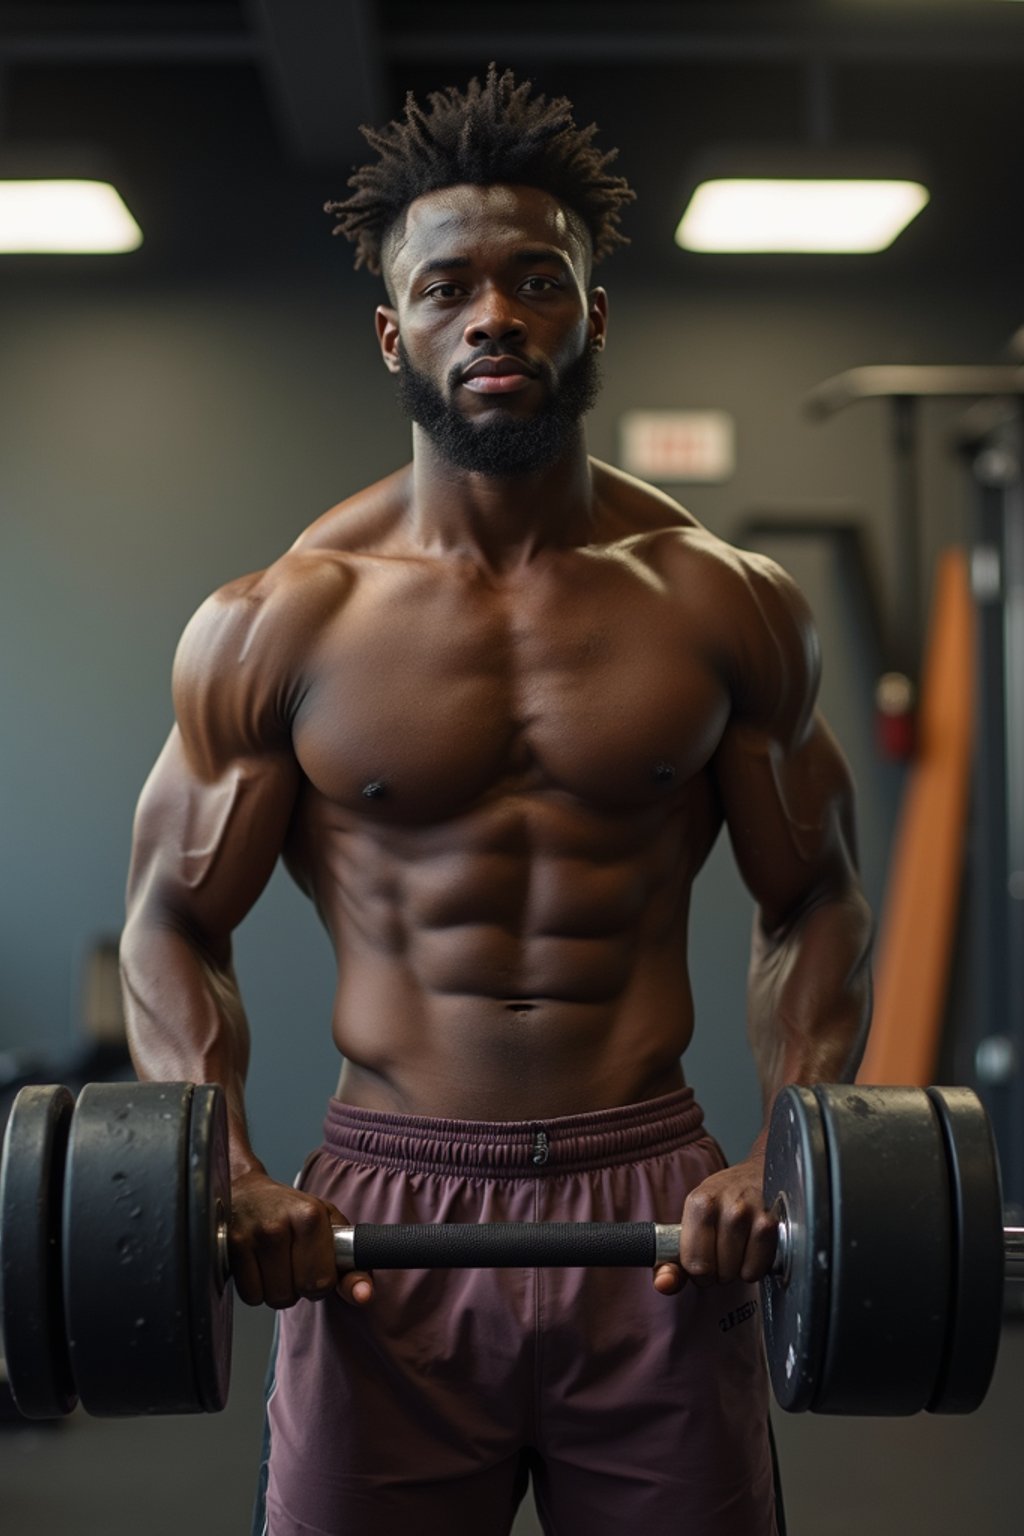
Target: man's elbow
837,896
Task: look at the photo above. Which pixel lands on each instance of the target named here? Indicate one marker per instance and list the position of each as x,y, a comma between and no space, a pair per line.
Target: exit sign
678,445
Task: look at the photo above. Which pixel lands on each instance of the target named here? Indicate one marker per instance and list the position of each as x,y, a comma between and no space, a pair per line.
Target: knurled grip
505,1244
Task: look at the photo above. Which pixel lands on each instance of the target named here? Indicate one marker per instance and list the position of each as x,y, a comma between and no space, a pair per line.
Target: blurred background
174,415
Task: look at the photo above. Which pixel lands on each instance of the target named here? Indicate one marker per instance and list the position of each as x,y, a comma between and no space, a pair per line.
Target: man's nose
495,318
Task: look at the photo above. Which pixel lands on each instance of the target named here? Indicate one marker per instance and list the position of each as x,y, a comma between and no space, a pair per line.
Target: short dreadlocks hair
495,132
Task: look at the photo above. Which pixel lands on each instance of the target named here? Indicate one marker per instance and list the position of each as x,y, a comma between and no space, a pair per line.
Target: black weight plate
891,1247
32,1307
126,1290
796,1302
209,1206
976,1309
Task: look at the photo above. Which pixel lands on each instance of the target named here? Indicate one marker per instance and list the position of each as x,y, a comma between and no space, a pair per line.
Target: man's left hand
726,1232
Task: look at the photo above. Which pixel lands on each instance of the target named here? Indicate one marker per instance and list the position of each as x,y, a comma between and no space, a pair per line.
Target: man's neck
501,522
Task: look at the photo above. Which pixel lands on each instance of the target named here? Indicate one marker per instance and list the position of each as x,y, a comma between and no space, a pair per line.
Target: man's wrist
244,1164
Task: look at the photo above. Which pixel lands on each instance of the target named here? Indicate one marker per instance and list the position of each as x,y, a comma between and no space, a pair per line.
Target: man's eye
444,291
539,284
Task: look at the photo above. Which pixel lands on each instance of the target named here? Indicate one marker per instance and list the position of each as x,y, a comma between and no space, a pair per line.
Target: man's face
493,336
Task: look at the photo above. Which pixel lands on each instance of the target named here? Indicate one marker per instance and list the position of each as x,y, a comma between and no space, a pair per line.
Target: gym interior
174,415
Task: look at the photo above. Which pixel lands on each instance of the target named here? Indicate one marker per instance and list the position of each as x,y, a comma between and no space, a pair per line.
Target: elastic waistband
520,1148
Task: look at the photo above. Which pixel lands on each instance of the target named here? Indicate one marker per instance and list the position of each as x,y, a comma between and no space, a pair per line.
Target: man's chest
426,698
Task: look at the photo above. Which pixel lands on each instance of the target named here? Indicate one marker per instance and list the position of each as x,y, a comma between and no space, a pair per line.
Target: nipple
375,790
664,773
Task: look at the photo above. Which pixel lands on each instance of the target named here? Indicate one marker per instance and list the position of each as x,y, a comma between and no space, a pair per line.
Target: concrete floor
90,1477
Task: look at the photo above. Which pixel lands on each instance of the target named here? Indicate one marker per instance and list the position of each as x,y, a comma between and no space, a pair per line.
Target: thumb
669,1279
356,1288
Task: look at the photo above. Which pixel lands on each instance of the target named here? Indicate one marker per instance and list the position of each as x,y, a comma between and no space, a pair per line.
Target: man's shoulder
256,614
667,536
750,614
750,582
363,523
240,666
630,508
289,599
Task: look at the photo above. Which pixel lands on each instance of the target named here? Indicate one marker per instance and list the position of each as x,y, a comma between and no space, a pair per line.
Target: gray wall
157,439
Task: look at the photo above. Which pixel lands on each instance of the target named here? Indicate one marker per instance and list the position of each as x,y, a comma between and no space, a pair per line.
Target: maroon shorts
430,1409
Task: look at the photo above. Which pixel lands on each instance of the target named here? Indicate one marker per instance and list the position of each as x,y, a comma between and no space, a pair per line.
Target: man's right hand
281,1246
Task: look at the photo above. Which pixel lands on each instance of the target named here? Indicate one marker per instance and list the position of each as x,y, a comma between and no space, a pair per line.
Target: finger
314,1268
256,1270
356,1288
669,1279
764,1240
274,1257
245,1274
698,1239
735,1223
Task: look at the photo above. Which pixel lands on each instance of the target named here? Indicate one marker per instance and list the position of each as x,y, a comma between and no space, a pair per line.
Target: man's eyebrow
543,253
521,258
441,264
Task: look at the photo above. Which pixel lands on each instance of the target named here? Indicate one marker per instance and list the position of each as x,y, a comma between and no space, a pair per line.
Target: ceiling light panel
64,217
768,214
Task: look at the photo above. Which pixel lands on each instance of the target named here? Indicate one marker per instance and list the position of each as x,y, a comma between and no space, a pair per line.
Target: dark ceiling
227,124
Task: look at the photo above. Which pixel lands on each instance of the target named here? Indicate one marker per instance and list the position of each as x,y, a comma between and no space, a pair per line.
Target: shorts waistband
601,1138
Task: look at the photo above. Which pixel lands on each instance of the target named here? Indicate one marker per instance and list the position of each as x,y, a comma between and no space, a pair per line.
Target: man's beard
504,446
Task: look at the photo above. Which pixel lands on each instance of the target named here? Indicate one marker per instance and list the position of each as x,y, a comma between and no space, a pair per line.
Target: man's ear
386,320
597,317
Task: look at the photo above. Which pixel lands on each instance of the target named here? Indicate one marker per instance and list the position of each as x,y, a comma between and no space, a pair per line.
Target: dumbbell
885,1296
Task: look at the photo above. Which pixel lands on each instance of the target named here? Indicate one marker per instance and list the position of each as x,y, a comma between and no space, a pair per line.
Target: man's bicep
790,814
205,847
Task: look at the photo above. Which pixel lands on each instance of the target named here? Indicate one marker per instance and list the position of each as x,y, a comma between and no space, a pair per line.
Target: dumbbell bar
508,1244
886,1296
548,1245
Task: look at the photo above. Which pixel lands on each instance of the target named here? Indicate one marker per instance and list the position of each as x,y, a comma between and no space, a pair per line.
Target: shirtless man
493,713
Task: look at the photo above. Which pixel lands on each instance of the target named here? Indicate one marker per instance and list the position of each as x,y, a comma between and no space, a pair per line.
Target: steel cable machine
989,1045
993,445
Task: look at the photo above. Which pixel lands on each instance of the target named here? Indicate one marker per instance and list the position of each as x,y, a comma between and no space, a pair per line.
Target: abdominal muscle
506,967
483,1058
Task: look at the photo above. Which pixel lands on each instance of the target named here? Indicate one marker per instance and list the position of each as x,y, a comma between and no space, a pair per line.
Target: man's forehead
455,216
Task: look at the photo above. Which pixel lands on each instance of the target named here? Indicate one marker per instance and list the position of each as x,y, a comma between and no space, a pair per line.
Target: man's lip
497,383
497,367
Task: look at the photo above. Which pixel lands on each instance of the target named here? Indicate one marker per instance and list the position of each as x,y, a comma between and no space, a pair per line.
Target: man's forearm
186,1022
810,995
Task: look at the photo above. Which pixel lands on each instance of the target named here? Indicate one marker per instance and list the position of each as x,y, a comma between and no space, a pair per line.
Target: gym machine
991,442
